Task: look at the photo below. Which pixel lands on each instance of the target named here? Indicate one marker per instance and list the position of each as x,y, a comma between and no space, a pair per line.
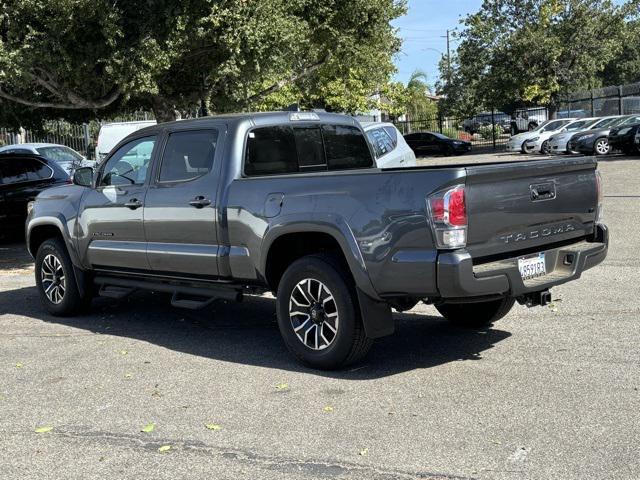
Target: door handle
133,204
200,202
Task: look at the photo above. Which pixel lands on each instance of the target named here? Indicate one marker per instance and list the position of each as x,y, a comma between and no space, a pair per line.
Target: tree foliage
533,52
69,56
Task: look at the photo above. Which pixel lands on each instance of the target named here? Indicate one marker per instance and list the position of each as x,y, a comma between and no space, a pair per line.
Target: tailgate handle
543,191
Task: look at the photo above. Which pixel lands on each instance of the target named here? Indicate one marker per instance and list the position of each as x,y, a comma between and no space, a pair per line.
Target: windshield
439,135
579,125
60,154
605,123
630,120
555,125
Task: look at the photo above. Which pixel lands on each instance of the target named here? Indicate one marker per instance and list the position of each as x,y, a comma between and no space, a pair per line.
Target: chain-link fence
618,100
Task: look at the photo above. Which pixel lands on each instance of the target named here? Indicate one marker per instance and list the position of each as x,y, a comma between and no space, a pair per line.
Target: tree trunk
163,110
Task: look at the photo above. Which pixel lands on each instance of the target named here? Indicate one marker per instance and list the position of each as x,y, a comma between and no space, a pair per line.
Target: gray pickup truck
292,203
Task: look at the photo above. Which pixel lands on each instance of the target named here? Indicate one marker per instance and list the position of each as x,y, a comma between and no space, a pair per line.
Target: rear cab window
286,149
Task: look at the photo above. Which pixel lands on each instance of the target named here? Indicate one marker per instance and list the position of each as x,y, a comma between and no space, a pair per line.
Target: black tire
448,151
601,146
476,314
522,149
350,343
71,302
544,148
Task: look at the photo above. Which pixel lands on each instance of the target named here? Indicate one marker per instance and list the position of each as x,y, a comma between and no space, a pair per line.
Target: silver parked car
558,142
389,146
64,156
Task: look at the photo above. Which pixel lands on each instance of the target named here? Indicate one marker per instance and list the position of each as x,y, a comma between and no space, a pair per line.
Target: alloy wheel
602,147
313,313
53,279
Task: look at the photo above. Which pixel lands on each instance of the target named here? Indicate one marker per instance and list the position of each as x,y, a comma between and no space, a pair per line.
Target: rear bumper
457,277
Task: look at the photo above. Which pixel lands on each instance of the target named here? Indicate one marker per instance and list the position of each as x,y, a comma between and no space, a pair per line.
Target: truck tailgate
519,206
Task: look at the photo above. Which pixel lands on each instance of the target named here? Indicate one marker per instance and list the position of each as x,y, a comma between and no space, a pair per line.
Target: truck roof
259,118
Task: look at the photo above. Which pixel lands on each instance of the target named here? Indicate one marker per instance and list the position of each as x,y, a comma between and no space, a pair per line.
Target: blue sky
423,29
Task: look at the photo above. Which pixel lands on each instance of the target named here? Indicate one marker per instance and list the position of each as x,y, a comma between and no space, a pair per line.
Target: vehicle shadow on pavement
247,333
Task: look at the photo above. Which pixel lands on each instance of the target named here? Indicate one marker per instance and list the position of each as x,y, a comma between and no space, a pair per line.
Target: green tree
532,52
173,55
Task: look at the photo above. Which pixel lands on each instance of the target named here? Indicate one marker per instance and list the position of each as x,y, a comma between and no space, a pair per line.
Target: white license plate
532,267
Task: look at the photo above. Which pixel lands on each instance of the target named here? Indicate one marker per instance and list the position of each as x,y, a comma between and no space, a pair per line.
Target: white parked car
540,143
517,142
558,141
389,145
64,156
111,133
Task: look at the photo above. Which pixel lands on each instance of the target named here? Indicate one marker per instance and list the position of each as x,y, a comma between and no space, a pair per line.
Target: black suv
22,178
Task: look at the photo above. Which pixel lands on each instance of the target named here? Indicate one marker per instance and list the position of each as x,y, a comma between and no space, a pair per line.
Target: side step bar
119,288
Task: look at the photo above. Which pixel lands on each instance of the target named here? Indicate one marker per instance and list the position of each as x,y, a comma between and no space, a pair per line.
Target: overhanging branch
76,102
291,79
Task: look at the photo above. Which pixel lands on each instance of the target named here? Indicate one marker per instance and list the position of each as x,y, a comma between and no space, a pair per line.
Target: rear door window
13,171
188,155
270,151
381,141
393,135
310,148
346,148
36,170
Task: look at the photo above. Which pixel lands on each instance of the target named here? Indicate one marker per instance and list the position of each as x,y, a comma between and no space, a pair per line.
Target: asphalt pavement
547,393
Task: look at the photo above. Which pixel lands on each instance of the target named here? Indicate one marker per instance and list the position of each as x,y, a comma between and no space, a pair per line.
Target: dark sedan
432,143
596,141
626,138
22,177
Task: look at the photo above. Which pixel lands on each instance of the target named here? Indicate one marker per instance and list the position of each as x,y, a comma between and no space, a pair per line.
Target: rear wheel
601,146
476,314
318,313
56,280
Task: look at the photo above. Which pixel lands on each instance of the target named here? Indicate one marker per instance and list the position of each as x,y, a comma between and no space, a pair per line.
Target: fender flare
376,314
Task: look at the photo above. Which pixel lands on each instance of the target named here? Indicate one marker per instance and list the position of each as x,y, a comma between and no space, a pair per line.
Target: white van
111,133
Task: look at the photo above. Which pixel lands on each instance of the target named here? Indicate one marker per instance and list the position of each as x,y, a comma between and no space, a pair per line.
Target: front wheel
544,148
601,146
476,314
56,280
318,313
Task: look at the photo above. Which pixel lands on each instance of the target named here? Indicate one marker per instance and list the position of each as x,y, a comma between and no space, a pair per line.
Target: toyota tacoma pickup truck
292,203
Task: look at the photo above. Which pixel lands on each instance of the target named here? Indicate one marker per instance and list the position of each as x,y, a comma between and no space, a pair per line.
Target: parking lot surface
547,393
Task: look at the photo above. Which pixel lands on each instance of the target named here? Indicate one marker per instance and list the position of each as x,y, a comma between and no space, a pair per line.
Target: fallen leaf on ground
364,452
149,427
282,386
44,429
19,365
213,426
127,375
123,352
328,408
164,448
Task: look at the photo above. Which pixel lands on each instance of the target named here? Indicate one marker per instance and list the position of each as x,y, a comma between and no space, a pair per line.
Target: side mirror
83,177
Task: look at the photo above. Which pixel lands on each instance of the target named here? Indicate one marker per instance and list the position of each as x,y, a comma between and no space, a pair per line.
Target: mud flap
376,316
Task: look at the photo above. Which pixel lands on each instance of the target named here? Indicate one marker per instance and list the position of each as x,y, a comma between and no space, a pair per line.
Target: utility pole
448,57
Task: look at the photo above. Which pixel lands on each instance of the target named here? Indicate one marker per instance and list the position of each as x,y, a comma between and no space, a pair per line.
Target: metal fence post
593,110
85,131
493,127
620,100
440,121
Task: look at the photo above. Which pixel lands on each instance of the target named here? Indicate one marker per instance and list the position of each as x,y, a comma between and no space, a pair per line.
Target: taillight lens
448,215
599,212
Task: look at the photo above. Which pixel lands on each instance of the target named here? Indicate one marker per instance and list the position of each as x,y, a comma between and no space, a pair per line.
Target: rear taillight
448,215
599,212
